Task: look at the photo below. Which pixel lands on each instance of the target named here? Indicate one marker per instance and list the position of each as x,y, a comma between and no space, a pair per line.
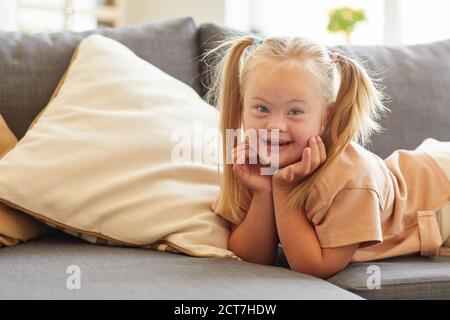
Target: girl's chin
286,156
283,162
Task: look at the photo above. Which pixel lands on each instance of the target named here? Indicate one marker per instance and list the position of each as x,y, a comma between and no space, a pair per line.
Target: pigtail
358,105
226,94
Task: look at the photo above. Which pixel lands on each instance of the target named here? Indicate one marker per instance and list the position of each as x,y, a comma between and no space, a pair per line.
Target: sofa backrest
416,79
32,65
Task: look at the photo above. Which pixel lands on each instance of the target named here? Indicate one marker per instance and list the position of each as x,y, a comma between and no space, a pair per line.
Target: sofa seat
409,277
37,270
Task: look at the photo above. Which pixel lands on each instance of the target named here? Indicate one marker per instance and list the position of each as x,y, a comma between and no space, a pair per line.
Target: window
33,16
388,21
423,20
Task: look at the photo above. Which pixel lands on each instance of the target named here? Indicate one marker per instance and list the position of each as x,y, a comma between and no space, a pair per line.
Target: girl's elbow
318,271
315,273
252,255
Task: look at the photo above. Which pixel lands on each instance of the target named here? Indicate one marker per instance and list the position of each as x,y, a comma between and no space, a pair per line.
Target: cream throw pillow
96,161
15,226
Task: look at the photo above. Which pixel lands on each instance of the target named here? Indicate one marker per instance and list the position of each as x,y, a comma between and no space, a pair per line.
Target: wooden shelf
110,13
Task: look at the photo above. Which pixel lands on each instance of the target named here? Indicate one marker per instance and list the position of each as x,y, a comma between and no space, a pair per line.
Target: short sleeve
354,216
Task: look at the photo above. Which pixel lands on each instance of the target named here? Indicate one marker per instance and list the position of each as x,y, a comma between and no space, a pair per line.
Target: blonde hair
340,79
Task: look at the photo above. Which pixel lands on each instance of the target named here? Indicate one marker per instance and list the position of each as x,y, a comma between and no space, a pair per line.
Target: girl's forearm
298,238
256,239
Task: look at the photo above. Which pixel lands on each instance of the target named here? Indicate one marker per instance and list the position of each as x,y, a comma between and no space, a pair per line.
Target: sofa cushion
409,277
37,270
31,65
15,226
416,83
103,160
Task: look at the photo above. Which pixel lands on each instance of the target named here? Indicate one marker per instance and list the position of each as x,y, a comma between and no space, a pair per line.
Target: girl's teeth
270,143
281,143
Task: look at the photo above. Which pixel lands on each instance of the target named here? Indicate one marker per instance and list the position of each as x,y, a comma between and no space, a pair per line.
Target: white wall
8,15
140,11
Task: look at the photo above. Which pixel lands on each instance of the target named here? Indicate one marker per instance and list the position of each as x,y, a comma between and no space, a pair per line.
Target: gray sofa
417,80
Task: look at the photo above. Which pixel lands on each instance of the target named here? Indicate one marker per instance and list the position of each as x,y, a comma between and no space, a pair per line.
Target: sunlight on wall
424,21
55,15
388,21
306,18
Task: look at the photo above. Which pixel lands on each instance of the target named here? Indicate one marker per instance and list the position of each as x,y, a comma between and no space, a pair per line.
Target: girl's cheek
297,156
300,141
248,122
299,147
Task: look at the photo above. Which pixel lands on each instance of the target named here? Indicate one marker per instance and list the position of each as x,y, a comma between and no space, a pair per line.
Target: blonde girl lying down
329,201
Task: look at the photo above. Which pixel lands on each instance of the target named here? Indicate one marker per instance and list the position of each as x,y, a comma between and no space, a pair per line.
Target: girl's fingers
252,154
287,174
248,154
240,146
313,156
265,160
239,151
291,174
315,153
245,149
238,169
308,155
302,168
323,152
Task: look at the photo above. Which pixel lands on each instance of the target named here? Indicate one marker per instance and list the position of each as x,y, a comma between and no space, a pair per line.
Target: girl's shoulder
355,168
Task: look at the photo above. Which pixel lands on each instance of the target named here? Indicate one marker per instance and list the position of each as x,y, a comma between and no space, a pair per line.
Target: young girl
331,202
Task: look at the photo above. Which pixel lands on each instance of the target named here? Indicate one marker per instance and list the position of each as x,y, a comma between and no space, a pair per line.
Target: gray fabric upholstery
32,65
412,277
209,34
37,270
416,80
408,277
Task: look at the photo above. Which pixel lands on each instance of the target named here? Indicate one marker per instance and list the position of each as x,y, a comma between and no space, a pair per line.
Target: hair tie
334,56
257,40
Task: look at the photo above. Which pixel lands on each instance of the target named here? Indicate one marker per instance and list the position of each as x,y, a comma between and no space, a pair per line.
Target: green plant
344,20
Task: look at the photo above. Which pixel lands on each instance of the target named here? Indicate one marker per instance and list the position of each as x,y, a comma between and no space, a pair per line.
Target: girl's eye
262,109
296,112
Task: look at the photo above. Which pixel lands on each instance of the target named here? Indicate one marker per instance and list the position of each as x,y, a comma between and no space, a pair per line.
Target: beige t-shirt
388,206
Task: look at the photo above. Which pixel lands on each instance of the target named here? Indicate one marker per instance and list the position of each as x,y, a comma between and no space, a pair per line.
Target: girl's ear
330,110
328,113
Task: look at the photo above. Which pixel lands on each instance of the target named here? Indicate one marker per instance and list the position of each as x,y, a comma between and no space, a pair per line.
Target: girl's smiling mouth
282,144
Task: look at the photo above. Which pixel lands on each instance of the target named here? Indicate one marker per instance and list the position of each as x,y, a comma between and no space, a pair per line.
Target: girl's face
283,97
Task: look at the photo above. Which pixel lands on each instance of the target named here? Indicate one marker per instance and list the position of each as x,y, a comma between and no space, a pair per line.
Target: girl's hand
249,174
289,177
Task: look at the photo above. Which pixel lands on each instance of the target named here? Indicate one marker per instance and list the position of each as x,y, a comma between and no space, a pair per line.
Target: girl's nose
276,123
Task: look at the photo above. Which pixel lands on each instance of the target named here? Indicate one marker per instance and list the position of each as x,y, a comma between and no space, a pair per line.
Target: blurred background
332,22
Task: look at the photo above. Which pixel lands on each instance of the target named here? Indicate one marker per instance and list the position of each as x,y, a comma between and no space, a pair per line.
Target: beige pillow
15,226
97,162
